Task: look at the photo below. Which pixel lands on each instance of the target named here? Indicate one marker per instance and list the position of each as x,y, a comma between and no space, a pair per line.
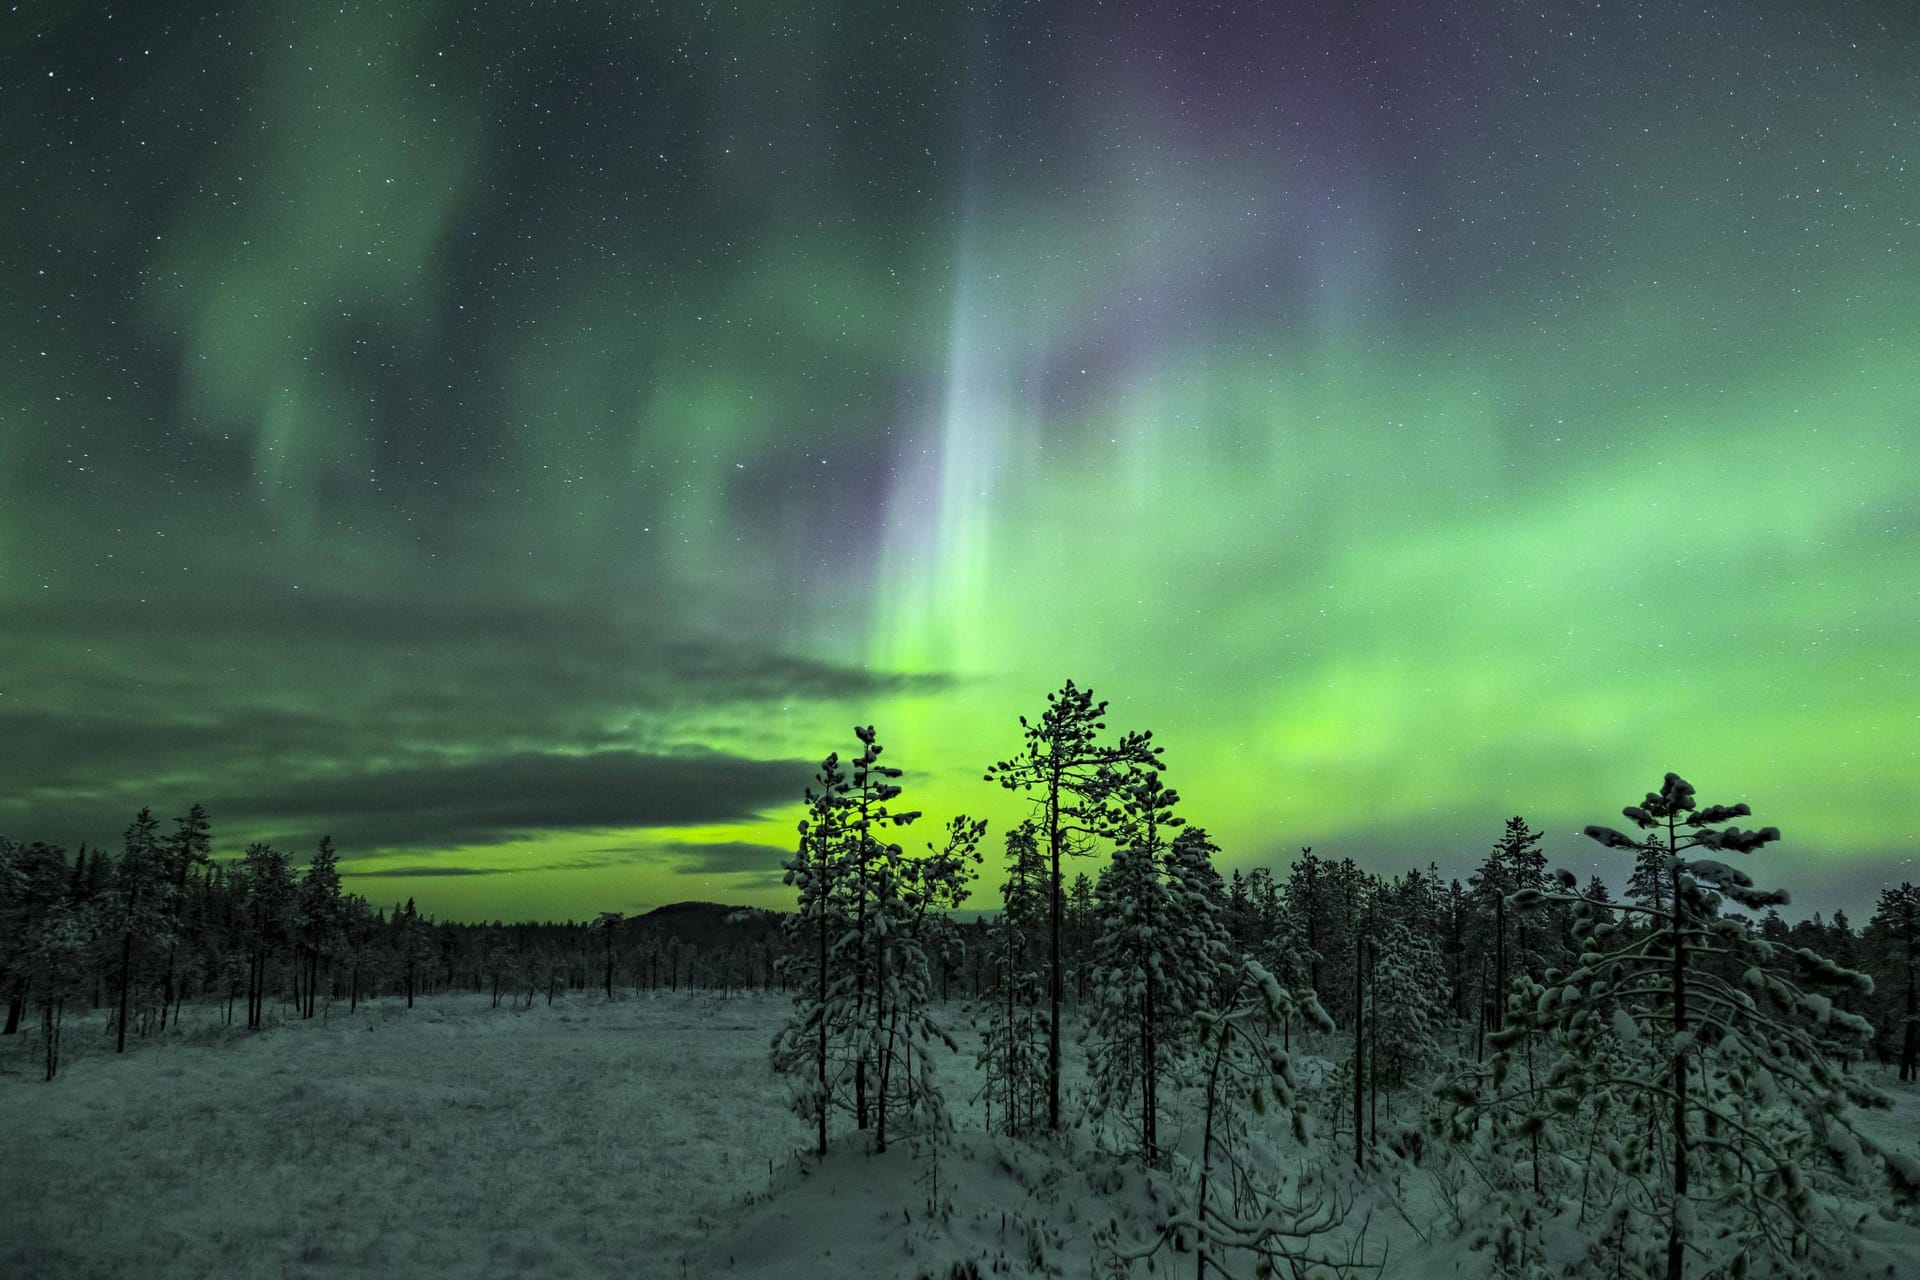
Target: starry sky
520,440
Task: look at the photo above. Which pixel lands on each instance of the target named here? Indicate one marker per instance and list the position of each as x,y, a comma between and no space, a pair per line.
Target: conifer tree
1161,953
1078,948
1013,1047
1236,1206
1719,1054
186,852
1075,777
1407,989
917,895
607,925
875,887
321,919
267,878
1310,917
14,930
1893,949
59,947
140,875
812,934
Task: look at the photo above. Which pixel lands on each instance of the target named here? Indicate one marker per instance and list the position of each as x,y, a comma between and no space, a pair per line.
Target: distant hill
704,923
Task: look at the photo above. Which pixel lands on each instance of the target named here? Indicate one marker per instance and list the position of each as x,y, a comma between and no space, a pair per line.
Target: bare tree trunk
1359,1051
1675,1245
52,1010
1149,1069
1055,989
1910,1032
1499,960
126,975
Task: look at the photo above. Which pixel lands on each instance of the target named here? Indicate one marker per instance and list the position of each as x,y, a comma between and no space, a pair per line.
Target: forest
1672,1080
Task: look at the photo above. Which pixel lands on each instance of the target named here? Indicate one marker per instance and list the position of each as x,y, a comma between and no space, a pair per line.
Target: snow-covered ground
644,1138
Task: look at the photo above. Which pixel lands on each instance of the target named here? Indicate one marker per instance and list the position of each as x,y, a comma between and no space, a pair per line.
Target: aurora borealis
519,440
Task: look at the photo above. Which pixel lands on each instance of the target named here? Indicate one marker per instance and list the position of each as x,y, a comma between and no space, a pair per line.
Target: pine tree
607,925
1013,1047
1309,918
1236,1204
1728,1036
1075,777
267,877
1651,883
13,932
1078,948
189,850
59,947
875,887
1893,951
1407,990
1161,953
917,895
812,932
321,917
140,876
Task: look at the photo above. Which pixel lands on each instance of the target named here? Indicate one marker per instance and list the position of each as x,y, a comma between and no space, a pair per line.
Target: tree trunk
1055,989
126,974
1499,959
1220,1029
52,1010
1676,1246
820,1053
1149,1069
1910,1030
1359,1052
882,1046
1373,1068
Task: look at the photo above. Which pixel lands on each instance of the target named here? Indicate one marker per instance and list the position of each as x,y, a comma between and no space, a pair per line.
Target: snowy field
646,1138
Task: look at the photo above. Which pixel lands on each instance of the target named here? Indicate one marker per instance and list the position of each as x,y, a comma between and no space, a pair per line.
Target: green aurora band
415,419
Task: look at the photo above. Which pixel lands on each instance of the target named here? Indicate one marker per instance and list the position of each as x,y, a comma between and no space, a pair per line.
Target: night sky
521,439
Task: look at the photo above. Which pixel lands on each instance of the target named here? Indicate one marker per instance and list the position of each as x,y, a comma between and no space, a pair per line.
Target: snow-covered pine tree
1263,902
410,942
1407,991
186,853
1077,947
803,1048
321,917
1013,1056
1733,1100
1651,879
59,950
1511,944
1228,1206
1075,777
1456,914
1309,917
876,906
1160,955
917,895
139,916
1240,921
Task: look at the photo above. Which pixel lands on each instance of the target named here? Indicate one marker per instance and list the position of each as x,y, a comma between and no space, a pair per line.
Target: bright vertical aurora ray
472,435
